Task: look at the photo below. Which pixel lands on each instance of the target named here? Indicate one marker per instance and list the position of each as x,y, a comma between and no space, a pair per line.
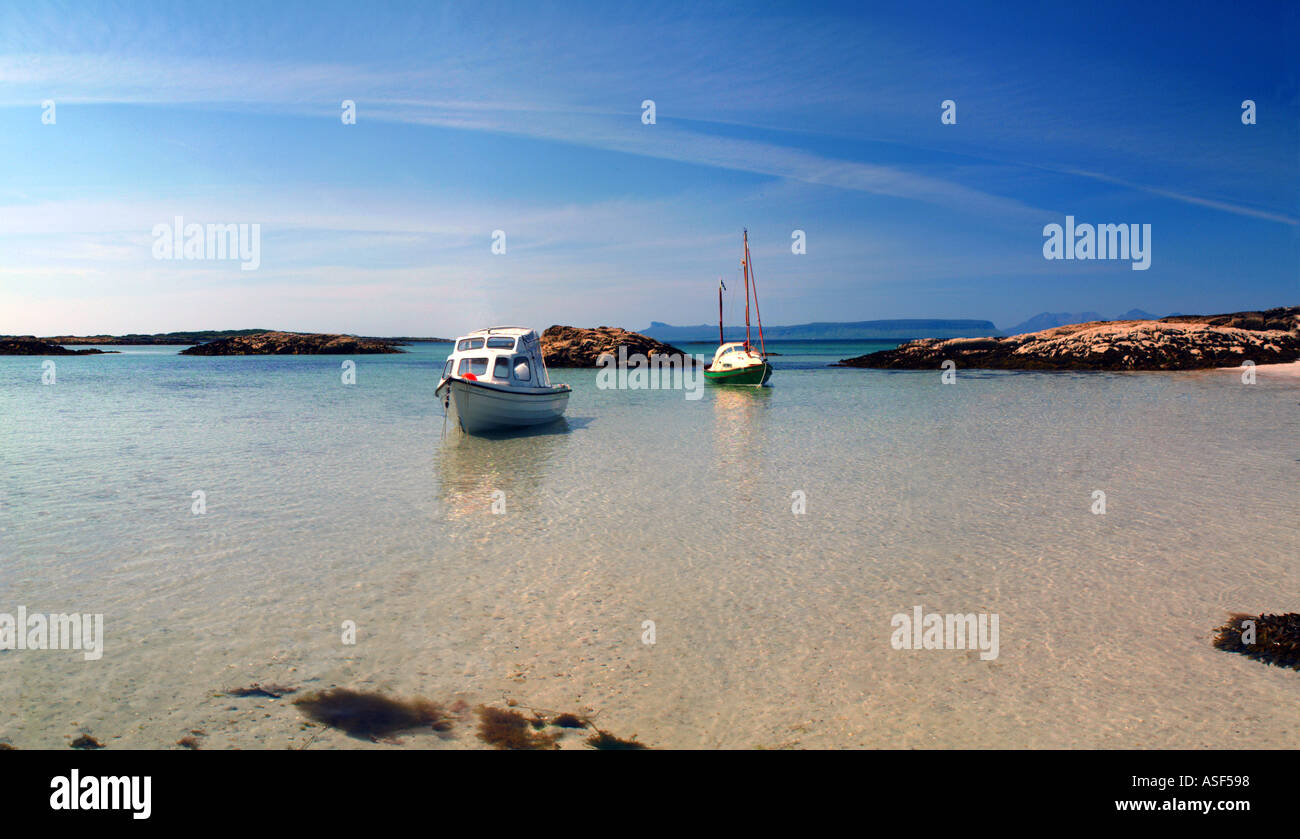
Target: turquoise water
328,502
800,355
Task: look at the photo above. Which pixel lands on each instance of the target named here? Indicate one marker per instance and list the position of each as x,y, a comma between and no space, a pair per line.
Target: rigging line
761,343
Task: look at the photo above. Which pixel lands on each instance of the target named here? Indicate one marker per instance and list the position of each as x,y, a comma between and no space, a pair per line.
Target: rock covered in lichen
31,345
292,343
571,346
1182,342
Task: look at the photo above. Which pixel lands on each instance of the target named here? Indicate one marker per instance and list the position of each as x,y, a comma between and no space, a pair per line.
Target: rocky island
293,343
1179,342
186,339
571,346
31,345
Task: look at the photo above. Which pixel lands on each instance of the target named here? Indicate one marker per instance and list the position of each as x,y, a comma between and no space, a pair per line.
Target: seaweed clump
85,741
257,689
569,721
605,741
371,716
511,730
1276,638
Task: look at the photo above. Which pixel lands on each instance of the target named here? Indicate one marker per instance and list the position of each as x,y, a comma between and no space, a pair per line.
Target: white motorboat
496,379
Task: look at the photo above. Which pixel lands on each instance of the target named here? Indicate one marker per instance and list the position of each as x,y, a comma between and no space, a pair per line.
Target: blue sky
526,118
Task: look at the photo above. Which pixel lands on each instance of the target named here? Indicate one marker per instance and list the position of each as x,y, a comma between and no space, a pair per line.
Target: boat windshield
477,366
522,372
499,343
470,344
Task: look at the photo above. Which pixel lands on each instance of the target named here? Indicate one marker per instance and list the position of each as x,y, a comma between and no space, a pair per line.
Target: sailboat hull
755,374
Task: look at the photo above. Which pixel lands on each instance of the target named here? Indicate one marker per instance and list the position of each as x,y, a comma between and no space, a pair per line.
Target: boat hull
754,374
476,407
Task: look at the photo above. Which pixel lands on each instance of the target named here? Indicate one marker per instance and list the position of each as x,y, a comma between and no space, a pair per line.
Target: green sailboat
738,363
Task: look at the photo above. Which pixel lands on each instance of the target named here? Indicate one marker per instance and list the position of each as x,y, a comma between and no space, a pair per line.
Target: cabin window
446,371
470,344
501,370
477,366
501,343
522,371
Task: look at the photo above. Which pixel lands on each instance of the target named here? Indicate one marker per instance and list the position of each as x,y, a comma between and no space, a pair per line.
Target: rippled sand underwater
328,503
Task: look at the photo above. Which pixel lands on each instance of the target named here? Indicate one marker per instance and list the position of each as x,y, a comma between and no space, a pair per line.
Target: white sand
1291,369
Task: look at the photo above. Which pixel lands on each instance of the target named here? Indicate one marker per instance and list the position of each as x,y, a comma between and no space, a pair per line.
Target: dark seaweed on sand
569,721
1277,638
605,741
370,716
258,689
85,741
510,730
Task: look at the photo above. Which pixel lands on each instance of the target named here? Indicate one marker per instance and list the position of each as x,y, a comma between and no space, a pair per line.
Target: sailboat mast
744,262
720,341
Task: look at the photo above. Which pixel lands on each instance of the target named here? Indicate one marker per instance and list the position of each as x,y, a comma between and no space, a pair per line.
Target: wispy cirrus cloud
473,119
315,90
402,96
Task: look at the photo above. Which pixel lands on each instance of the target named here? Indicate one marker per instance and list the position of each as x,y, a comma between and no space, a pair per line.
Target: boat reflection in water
740,430
476,472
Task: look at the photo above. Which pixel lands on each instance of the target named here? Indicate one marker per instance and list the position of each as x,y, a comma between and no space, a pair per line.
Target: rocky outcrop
292,343
1180,342
30,345
186,339
571,346
183,339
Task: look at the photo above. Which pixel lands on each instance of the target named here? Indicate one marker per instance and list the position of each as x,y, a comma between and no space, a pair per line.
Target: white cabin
508,356
735,355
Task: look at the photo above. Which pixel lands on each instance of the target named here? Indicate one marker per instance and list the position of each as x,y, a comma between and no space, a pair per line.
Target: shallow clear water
328,502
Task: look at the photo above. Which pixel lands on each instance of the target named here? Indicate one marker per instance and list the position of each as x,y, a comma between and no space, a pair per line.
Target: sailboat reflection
740,427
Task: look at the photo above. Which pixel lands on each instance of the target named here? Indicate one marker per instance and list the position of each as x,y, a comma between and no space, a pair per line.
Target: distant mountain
1050,320
831,331
1137,314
